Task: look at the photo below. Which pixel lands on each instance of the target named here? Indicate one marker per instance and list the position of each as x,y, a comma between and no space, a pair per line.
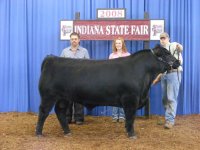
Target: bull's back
99,82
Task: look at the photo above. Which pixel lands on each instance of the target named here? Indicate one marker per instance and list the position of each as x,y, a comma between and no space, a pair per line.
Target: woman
119,50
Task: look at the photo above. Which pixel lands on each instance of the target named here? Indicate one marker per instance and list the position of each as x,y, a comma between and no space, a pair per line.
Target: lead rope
177,68
178,59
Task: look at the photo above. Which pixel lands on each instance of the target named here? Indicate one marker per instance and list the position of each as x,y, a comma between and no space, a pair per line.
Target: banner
111,29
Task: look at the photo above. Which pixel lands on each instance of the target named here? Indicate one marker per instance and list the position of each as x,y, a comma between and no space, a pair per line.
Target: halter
170,64
160,59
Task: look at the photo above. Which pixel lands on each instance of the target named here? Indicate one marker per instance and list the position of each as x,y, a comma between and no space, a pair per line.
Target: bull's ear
157,46
156,49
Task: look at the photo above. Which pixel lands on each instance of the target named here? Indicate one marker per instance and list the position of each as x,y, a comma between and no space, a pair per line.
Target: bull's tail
45,60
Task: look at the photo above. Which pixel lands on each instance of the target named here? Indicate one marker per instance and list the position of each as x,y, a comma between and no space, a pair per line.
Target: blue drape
29,30
182,24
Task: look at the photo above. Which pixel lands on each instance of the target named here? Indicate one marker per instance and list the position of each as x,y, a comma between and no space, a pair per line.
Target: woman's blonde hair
123,45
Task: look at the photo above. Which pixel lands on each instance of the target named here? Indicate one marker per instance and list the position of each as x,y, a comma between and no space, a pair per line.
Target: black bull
123,82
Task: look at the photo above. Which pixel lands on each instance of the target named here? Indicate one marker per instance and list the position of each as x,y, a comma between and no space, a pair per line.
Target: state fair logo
66,30
157,29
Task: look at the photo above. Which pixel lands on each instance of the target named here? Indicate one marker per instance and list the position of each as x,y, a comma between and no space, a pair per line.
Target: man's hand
157,79
179,47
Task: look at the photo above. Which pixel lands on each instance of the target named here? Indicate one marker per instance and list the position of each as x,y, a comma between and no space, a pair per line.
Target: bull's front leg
130,114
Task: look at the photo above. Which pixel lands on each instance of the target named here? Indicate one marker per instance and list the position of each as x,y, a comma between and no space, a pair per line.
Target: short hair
164,35
75,33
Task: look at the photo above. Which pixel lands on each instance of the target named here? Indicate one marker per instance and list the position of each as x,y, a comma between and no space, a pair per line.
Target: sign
157,27
111,29
108,14
66,28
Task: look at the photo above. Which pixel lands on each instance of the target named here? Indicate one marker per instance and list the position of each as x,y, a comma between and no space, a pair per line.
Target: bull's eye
160,59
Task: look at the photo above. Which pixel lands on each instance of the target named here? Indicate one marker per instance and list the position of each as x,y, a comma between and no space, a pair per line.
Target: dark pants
75,112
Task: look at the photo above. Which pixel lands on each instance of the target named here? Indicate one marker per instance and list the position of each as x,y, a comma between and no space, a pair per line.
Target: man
75,111
170,81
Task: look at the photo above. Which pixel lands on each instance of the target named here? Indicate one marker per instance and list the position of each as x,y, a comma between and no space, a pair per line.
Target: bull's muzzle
176,64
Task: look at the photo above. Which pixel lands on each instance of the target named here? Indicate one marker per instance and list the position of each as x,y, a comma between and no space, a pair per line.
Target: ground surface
17,133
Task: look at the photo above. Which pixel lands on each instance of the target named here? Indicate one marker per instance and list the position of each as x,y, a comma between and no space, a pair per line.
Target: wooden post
146,46
77,16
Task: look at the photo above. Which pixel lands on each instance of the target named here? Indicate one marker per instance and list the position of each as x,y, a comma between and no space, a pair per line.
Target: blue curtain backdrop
29,30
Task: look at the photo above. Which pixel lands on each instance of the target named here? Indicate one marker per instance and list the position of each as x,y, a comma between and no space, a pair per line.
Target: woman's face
118,44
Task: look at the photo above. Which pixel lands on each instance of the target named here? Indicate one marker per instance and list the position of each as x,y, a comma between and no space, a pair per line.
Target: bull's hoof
39,135
133,137
67,134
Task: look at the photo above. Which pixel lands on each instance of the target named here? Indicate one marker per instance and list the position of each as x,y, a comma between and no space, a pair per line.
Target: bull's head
166,57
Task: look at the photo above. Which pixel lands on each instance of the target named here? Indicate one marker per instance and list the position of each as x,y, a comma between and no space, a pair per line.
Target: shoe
121,120
114,120
79,122
69,121
168,125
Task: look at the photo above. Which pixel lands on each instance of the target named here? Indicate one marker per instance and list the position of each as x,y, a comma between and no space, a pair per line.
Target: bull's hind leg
44,109
60,109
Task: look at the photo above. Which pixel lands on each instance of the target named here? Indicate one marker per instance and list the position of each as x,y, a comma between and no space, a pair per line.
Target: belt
172,70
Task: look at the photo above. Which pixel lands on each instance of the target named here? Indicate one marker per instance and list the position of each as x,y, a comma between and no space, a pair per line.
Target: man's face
74,40
164,41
